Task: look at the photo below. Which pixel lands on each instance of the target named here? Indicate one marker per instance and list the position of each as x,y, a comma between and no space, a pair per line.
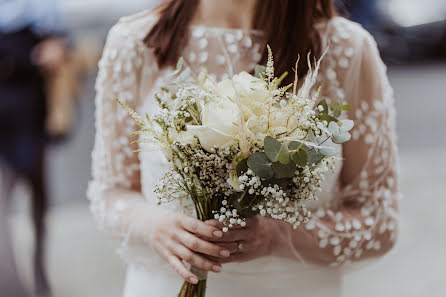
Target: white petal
347,125
209,137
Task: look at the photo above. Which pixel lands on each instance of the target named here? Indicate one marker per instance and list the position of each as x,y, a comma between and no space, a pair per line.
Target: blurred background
81,261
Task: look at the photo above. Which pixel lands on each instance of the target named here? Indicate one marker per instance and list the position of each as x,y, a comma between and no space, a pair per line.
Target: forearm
125,214
338,237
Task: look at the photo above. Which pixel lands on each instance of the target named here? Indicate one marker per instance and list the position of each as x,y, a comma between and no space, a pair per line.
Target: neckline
226,29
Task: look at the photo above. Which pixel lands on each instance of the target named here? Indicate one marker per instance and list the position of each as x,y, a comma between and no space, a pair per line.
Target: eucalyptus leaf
314,157
324,104
336,109
333,127
284,170
244,202
241,167
284,154
281,182
294,145
339,130
328,118
249,213
246,199
341,138
300,157
260,165
329,148
312,137
346,125
272,147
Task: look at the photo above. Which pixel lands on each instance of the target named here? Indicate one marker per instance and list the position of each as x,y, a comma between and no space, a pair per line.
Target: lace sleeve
115,190
362,221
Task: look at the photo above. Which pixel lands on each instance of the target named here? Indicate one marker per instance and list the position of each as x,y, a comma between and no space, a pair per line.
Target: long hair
288,26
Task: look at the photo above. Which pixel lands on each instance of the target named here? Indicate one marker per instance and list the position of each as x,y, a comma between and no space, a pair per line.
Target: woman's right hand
176,238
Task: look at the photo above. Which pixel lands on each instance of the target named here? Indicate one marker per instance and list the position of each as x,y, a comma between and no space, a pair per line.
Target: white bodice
356,215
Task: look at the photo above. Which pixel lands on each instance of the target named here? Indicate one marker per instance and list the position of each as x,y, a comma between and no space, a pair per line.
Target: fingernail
193,280
218,234
216,268
225,253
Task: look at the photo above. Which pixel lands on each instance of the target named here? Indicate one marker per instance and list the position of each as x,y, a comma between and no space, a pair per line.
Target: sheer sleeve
362,221
115,190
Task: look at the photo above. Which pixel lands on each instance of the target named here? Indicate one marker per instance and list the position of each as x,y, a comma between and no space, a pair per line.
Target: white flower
219,124
251,91
234,181
186,137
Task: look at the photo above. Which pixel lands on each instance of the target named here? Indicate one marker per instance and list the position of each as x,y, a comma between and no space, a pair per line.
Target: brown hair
288,26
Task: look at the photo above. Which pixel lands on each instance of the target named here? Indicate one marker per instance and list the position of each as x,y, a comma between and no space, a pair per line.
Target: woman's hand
253,241
178,238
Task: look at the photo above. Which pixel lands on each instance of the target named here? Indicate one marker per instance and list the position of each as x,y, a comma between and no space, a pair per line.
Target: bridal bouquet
243,146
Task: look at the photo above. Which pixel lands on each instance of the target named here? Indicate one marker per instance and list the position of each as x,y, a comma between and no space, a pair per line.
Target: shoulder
130,31
341,29
340,32
124,49
348,47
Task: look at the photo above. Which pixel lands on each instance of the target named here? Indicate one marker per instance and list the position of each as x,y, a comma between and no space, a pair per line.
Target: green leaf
314,157
300,157
244,202
284,154
346,107
341,138
241,167
294,145
245,199
336,109
272,147
324,104
329,148
281,182
284,170
259,70
261,165
328,118
249,213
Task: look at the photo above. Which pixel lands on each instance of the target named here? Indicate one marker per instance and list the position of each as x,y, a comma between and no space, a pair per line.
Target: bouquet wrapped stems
203,209
195,290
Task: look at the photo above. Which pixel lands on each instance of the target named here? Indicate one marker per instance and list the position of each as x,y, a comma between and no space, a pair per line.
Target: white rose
219,124
251,90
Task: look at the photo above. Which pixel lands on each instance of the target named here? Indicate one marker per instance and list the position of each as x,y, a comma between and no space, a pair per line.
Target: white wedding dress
355,218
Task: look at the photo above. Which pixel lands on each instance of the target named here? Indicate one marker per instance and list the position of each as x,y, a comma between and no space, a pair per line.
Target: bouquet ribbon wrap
200,273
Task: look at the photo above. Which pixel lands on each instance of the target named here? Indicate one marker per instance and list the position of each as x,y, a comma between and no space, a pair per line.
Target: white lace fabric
359,217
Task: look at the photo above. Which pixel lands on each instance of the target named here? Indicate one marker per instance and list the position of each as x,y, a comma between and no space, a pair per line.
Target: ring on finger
239,246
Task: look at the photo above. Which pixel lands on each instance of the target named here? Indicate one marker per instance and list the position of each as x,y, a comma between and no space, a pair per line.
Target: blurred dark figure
364,12
398,44
30,49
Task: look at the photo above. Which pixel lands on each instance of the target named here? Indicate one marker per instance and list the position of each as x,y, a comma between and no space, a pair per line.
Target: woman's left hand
246,243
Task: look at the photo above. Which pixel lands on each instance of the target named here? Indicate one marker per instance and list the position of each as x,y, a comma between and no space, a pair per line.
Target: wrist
272,228
276,238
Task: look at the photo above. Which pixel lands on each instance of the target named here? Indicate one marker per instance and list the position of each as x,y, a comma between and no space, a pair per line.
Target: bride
356,216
